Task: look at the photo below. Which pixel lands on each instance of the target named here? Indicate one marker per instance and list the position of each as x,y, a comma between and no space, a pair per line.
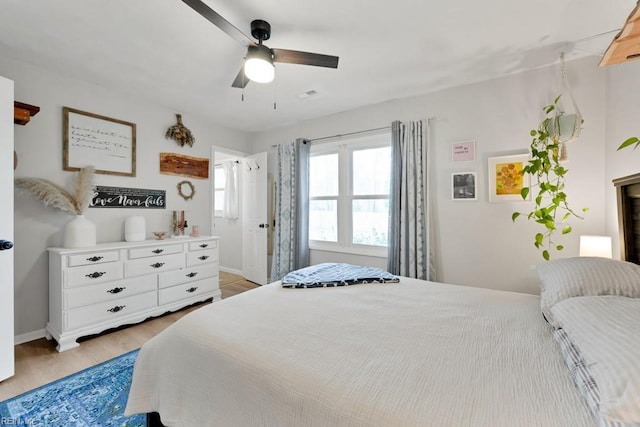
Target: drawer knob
95,258
192,289
96,274
204,245
203,257
158,251
117,308
116,290
157,264
192,274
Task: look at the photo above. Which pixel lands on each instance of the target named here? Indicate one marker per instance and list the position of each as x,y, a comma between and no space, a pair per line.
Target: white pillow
606,332
572,277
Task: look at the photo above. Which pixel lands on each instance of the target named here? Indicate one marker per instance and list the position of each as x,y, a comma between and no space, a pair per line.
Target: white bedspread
412,353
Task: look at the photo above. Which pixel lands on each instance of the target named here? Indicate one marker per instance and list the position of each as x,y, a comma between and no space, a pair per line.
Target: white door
255,224
6,229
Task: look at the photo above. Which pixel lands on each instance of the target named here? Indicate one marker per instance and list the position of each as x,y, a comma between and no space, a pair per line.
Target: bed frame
628,195
153,420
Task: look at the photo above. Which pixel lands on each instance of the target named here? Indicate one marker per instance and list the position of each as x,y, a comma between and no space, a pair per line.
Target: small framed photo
464,151
506,179
463,186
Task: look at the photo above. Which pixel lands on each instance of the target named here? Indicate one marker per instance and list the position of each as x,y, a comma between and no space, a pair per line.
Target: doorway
243,233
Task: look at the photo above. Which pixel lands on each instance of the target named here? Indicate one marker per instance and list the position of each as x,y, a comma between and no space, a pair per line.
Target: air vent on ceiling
307,94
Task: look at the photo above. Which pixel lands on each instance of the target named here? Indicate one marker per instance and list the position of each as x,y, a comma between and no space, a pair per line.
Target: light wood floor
38,362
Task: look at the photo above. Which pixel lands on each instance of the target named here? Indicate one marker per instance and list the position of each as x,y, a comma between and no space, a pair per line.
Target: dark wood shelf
22,112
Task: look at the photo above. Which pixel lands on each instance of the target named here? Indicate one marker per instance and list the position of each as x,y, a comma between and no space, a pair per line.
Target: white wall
39,149
478,245
623,110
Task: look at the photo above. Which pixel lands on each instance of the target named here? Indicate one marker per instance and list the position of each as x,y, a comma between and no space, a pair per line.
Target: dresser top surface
128,245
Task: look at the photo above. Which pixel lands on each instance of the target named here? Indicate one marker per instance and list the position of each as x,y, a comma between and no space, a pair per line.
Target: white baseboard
231,270
29,336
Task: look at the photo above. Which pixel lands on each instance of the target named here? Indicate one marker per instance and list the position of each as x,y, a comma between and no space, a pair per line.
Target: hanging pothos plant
551,209
629,142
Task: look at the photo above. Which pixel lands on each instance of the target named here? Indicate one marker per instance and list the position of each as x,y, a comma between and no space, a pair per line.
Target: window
349,185
220,183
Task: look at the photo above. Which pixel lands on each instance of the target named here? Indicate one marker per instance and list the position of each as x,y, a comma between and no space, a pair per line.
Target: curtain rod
339,135
349,133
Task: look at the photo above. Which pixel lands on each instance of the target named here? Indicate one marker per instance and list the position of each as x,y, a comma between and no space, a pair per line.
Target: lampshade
258,66
598,246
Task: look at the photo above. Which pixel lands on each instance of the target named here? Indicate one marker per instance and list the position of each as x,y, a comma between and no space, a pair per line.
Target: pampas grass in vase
79,232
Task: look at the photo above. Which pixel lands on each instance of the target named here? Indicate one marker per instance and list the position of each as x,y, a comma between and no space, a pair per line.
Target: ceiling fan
258,64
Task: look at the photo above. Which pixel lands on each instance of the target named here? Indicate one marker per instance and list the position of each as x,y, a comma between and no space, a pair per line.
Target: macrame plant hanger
566,127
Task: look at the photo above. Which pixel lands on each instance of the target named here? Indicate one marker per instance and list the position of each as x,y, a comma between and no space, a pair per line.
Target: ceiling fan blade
217,20
241,80
304,58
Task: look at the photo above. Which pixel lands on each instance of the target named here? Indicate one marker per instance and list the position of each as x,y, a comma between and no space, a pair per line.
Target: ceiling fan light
258,66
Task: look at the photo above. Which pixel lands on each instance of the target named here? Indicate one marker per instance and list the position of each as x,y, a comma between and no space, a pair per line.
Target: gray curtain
410,249
291,234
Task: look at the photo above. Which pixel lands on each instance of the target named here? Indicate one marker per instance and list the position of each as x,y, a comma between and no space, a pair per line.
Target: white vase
135,229
79,233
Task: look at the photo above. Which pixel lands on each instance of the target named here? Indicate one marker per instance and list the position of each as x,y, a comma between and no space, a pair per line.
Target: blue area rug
94,397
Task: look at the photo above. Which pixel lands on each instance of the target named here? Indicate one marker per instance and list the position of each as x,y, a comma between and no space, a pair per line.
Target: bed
412,353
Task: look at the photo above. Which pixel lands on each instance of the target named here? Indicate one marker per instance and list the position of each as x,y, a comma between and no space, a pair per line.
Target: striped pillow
585,276
583,379
605,332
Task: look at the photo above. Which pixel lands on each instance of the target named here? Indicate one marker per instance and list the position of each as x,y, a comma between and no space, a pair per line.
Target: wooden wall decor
626,44
22,112
181,165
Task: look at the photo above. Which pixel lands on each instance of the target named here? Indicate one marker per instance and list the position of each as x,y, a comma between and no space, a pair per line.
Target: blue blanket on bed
332,274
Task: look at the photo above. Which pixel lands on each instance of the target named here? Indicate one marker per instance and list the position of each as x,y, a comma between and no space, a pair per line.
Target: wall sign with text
119,197
464,151
105,143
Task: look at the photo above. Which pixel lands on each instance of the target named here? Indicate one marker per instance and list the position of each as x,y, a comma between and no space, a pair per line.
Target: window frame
217,213
345,149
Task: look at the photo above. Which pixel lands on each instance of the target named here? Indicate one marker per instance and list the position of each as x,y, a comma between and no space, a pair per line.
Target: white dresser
113,284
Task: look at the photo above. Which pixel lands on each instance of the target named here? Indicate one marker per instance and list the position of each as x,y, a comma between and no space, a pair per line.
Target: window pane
370,222
372,171
219,200
323,175
219,177
323,220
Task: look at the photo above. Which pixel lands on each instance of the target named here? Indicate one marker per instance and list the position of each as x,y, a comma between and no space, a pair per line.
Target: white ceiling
163,51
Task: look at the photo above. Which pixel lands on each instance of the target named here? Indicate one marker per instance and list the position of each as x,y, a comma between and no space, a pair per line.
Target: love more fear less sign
120,197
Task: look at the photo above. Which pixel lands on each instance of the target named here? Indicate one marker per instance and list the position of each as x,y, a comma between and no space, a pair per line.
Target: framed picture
464,151
506,179
107,144
463,186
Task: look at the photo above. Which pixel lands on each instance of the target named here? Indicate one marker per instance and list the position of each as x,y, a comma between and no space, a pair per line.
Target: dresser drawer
102,292
90,274
143,266
109,310
199,246
188,290
93,258
188,274
202,257
154,251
